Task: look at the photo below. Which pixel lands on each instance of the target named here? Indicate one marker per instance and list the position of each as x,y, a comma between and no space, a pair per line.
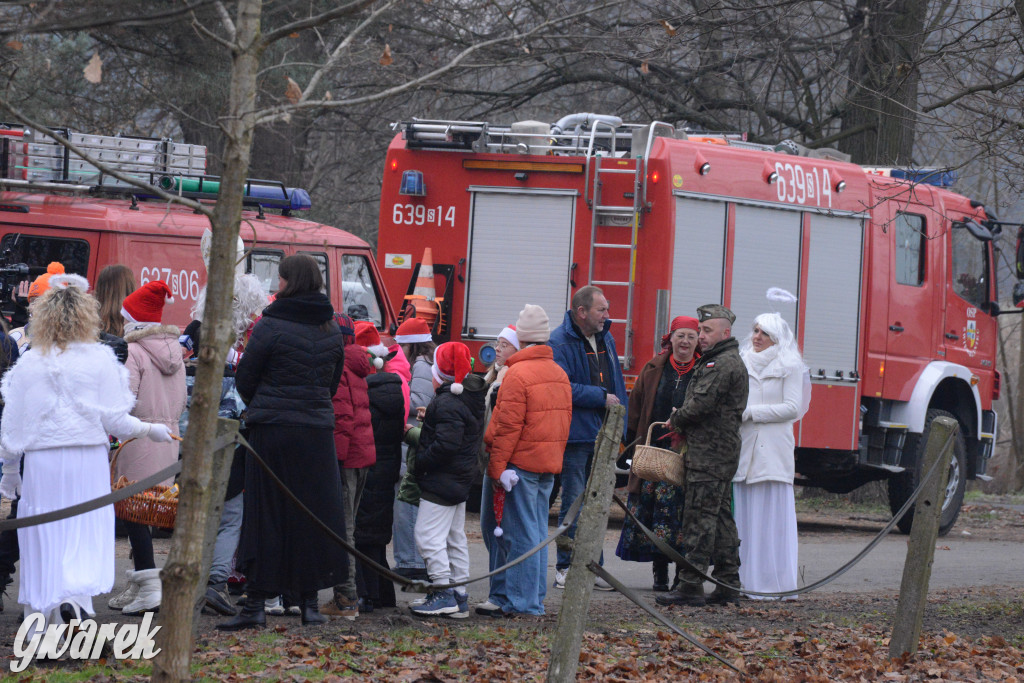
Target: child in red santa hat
446,469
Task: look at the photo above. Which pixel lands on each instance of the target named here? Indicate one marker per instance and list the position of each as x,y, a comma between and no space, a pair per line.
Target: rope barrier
631,594
108,499
675,556
408,585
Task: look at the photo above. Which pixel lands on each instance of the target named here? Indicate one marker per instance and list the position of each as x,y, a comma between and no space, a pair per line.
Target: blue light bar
928,176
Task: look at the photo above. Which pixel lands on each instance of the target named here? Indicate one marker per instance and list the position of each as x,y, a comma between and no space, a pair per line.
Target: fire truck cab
892,271
56,206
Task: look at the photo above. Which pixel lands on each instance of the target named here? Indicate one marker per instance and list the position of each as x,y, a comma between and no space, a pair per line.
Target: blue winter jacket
587,399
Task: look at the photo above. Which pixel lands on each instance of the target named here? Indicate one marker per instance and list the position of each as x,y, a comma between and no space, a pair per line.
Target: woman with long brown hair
113,284
290,370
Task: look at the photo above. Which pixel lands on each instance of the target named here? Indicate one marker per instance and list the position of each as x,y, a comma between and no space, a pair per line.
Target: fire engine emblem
971,334
677,181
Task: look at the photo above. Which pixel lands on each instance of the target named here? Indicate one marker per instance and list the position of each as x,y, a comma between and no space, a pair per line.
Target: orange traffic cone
425,281
423,302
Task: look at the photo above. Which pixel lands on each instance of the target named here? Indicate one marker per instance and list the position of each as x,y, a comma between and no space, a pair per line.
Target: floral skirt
660,507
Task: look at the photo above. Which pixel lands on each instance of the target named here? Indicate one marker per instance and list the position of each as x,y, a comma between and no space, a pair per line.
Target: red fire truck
56,206
893,272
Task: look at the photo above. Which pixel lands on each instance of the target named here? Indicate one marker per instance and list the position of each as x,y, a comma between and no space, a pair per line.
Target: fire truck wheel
902,486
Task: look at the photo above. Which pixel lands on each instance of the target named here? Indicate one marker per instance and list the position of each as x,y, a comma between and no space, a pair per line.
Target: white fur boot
128,594
148,599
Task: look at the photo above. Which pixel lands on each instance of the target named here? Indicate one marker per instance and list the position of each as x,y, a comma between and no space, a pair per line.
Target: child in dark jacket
446,468
376,508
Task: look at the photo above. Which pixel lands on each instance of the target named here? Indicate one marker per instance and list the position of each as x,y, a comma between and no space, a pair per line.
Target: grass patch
978,497
986,610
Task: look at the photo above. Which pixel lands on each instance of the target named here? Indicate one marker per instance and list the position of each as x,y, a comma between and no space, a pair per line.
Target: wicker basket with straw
651,463
156,506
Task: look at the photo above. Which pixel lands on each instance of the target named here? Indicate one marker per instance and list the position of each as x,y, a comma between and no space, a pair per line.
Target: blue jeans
575,472
487,525
404,530
227,539
522,588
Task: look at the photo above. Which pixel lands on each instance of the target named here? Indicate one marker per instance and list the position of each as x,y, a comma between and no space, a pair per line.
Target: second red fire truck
893,272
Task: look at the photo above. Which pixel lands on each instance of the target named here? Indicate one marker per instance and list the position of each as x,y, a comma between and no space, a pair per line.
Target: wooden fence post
590,531
188,563
917,570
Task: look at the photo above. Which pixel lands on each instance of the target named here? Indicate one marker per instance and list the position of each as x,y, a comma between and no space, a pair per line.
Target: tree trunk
884,76
184,568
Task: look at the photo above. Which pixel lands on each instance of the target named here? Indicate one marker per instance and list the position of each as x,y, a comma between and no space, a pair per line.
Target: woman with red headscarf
660,388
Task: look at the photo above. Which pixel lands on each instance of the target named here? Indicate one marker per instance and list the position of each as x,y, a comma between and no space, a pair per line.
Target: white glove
746,414
160,433
10,485
508,479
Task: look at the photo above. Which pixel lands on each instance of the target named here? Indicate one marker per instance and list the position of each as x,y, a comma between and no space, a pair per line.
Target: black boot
660,575
310,605
251,616
690,594
724,596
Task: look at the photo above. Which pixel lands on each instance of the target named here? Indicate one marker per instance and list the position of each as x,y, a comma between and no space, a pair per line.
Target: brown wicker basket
651,463
156,506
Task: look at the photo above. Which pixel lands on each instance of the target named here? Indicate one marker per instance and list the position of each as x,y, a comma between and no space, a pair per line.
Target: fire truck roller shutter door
520,250
698,254
766,254
831,337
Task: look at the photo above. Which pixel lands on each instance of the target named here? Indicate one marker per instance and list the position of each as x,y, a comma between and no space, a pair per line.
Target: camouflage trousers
709,532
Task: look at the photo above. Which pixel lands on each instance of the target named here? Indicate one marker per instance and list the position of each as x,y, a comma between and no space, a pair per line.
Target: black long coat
289,371
387,415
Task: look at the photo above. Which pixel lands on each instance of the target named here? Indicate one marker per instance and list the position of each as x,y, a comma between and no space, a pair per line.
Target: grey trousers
227,539
352,482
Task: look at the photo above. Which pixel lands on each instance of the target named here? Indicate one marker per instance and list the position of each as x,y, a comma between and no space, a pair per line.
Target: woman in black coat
287,376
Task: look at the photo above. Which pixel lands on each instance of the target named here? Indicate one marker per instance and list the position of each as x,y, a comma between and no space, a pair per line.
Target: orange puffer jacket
530,423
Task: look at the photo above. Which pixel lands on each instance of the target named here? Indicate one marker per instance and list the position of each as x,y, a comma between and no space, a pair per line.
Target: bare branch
311,22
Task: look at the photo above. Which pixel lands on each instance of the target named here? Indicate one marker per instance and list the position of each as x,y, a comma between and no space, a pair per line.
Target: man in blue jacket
584,348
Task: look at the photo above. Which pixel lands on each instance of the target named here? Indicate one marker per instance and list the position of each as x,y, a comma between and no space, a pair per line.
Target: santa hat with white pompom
452,362
368,337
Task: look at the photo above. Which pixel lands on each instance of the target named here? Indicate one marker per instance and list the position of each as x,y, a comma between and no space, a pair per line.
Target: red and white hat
146,304
452,362
509,335
367,336
413,331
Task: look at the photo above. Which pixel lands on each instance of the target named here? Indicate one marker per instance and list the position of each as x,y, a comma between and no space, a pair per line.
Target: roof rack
32,160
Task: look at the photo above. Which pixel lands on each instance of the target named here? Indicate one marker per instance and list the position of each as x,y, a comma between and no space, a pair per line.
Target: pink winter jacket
156,375
400,366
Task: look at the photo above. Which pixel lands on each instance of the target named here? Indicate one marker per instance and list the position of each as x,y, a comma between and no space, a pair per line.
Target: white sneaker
560,575
273,606
602,585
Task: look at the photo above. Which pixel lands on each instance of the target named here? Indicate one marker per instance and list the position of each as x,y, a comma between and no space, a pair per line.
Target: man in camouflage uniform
710,420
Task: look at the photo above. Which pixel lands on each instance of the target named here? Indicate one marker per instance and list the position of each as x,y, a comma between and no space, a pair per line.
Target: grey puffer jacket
292,365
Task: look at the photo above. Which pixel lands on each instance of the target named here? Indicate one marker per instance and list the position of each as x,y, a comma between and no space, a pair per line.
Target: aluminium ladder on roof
612,215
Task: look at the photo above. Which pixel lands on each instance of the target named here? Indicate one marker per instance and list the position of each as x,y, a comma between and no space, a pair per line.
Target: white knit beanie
532,326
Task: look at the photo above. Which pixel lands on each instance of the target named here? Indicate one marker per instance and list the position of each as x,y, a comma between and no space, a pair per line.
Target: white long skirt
766,522
72,559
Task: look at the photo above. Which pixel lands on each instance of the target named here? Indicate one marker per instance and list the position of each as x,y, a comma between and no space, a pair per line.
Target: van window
910,249
358,290
38,251
970,266
263,264
321,260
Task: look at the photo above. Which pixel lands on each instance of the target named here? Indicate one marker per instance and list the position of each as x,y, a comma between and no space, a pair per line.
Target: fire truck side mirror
992,308
1018,295
1019,260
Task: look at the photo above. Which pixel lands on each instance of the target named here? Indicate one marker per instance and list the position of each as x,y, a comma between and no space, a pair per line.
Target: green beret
711,311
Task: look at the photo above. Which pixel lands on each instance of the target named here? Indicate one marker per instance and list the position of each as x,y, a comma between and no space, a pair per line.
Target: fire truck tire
902,486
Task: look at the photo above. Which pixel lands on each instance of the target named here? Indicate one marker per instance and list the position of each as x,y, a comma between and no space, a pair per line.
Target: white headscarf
784,354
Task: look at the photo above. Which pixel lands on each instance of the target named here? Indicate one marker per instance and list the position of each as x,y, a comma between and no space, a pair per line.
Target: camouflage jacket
712,410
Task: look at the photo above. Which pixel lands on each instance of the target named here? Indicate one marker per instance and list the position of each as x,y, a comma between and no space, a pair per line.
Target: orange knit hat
42,283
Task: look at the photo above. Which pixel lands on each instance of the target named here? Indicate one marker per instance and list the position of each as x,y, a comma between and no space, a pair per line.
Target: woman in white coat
62,398
763,485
